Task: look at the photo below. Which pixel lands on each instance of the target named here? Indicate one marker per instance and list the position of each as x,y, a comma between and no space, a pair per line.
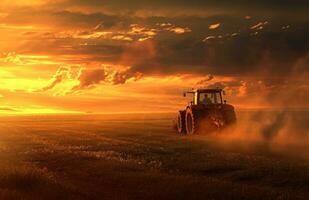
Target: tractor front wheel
181,122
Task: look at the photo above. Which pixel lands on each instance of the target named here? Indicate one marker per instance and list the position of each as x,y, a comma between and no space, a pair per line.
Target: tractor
207,112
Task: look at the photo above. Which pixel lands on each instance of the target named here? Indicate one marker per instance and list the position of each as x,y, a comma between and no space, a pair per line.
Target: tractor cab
206,96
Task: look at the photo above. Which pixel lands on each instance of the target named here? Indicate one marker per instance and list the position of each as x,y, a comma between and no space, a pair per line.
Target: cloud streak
61,74
89,78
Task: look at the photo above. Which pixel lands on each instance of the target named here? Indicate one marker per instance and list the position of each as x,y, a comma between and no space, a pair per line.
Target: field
139,156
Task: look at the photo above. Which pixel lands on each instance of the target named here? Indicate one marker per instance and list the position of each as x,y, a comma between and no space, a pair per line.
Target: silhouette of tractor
207,112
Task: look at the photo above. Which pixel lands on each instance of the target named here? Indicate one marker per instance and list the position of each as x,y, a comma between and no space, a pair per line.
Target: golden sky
99,56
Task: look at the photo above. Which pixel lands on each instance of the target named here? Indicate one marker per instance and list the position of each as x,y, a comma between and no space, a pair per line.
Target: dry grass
30,183
136,157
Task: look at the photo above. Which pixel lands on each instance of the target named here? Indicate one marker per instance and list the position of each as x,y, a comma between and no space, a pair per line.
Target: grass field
139,156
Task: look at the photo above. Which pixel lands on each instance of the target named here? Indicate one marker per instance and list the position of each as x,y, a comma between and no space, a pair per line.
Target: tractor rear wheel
181,122
192,121
229,117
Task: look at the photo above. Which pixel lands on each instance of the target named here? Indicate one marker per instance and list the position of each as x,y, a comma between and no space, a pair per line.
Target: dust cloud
282,133
282,127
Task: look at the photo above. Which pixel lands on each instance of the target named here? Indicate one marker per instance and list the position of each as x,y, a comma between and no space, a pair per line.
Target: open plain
139,156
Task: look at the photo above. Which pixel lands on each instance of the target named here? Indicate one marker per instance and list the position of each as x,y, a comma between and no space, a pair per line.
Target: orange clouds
90,78
68,80
214,26
259,26
8,3
61,74
146,52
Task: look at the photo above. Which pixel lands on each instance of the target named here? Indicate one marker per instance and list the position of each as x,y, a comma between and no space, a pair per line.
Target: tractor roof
207,90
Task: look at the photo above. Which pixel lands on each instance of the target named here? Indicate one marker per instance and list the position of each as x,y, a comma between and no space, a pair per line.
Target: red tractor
207,112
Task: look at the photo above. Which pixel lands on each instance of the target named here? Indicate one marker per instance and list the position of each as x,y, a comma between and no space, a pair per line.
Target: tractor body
206,112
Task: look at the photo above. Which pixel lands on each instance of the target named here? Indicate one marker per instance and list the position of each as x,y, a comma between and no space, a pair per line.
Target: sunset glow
80,57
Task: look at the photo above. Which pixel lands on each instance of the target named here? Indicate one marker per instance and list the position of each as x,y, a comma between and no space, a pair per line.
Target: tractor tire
193,118
181,122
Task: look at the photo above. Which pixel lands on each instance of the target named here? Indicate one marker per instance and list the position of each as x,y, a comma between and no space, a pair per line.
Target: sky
100,56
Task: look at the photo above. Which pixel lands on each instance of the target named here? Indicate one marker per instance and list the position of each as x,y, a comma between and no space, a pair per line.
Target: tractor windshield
210,98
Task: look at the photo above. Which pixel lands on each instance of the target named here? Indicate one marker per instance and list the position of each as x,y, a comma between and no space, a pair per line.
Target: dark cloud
205,81
271,50
233,49
289,91
89,78
122,77
64,19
